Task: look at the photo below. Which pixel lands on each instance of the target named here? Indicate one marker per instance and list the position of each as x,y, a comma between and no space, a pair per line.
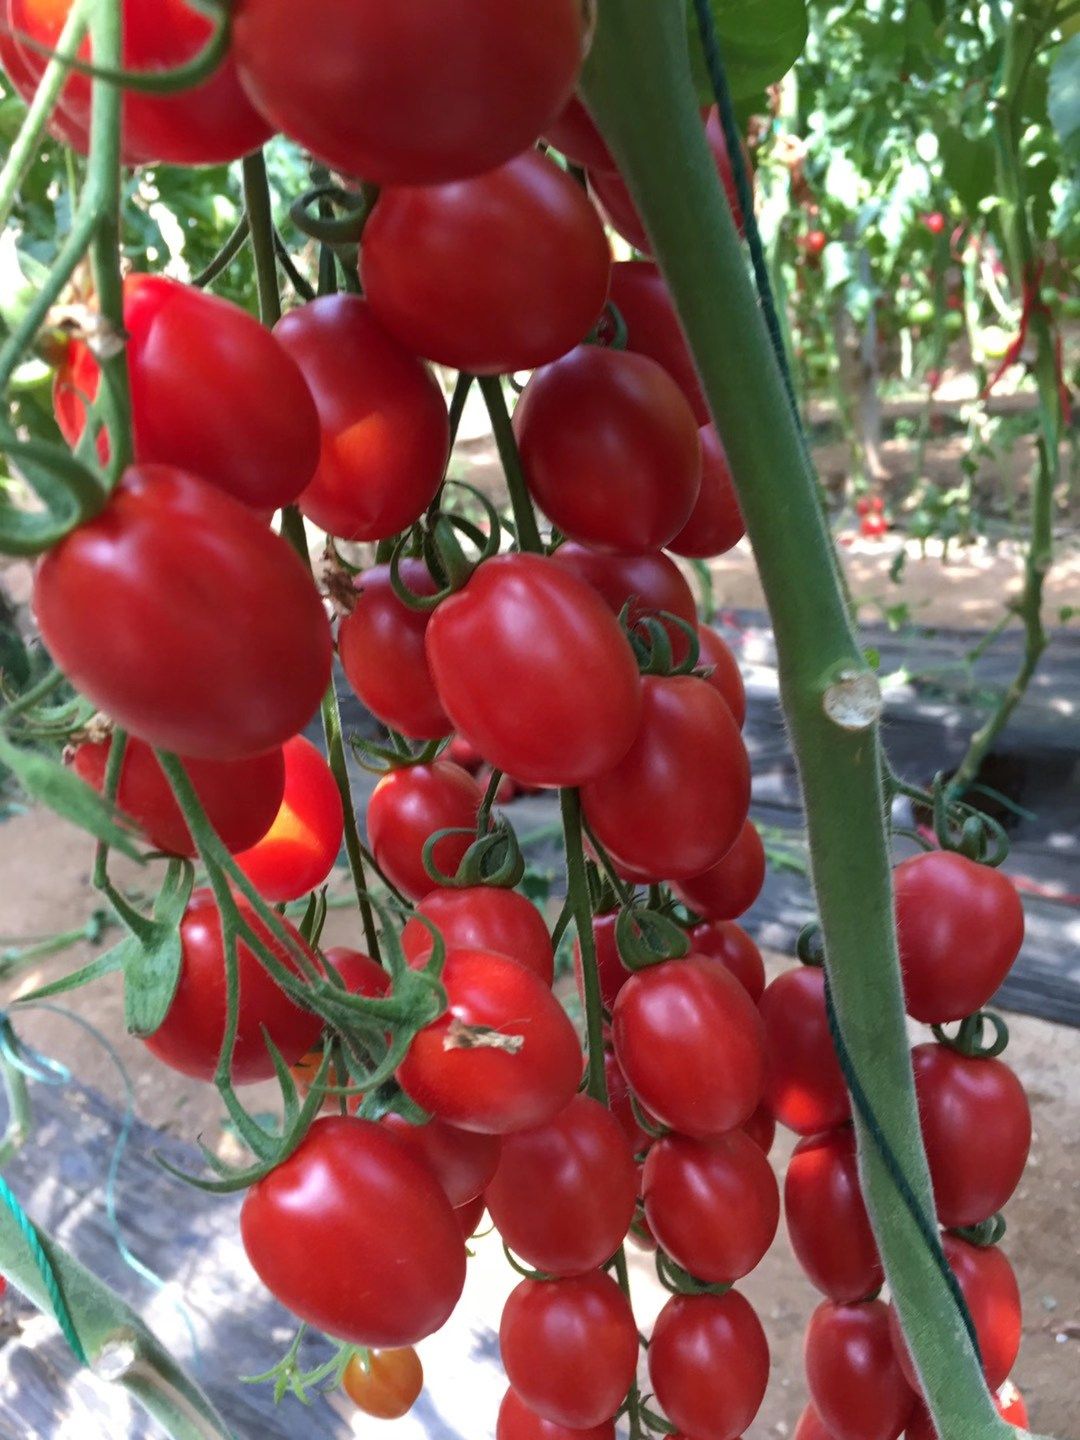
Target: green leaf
968,165
49,782
113,959
760,40
1064,98
152,965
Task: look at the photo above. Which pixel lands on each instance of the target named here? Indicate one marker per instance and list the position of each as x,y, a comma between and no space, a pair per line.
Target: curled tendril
495,859
968,1039
345,229
965,829
645,937
379,759
645,1120
524,1270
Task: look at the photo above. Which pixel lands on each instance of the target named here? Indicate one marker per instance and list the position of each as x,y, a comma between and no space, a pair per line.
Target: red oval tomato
810,1426
206,124
528,1075
715,523
240,797
960,927
713,1205
355,1236
406,808
827,1220
569,692
653,327
381,648
855,1381
610,449
518,1422
727,889
462,1161
401,94
564,1193
723,940
298,852
384,1383
804,1085
212,392
723,672
618,1093
709,1364
574,134
689,1040
500,273
24,82
653,810
761,1128
612,972
483,917
159,610
570,1348
976,1126
470,1215
190,1037
385,430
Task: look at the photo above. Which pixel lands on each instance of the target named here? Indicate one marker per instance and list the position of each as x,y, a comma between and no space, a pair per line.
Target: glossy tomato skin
470,1215
713,1205
517,1422
723,940
240,797
960,926
653,327
384,426
355,1236
715,524
761,1128
689,1040
503,272
723,673
178,613
384,1383
485,1088
16,67
298,851
804,1085
191,1036
212,392
206,124
407,806
709,1364
564,1193
647,584
569,692
976,1125
403,95
483,917
570,1347
810,1426
619,1104
727,889
462,1161
612,972
610,449
653,811
381,648
573,132
854,1378
827,1220
993,1298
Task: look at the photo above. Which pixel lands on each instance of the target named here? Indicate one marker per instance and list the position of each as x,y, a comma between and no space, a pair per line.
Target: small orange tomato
384,1383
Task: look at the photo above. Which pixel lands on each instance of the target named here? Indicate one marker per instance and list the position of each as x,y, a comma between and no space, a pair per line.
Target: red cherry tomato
406,808
190,1037
573,132
240,797
564,1193
568,685
934,222
355,1236
723,940
483,917
612,972
723,670
470,1215
205,124
651,811
715,524
993,1299
400,94
713,1205
24,81
298,852
454,1071
976,1126
731,886
619,1104
855,1381
827,1220
384,1383
960,927
689,1040
186,350
385,430
610,449
178,613
649,584
518,1422
653,327
709,1364
500,273
804,1085
813,243
810,1426
462,1161
381,648
761,1128
570,1348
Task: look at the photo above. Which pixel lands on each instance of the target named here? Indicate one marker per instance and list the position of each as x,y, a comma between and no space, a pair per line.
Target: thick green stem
637,84
577,887
528,535
260,216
